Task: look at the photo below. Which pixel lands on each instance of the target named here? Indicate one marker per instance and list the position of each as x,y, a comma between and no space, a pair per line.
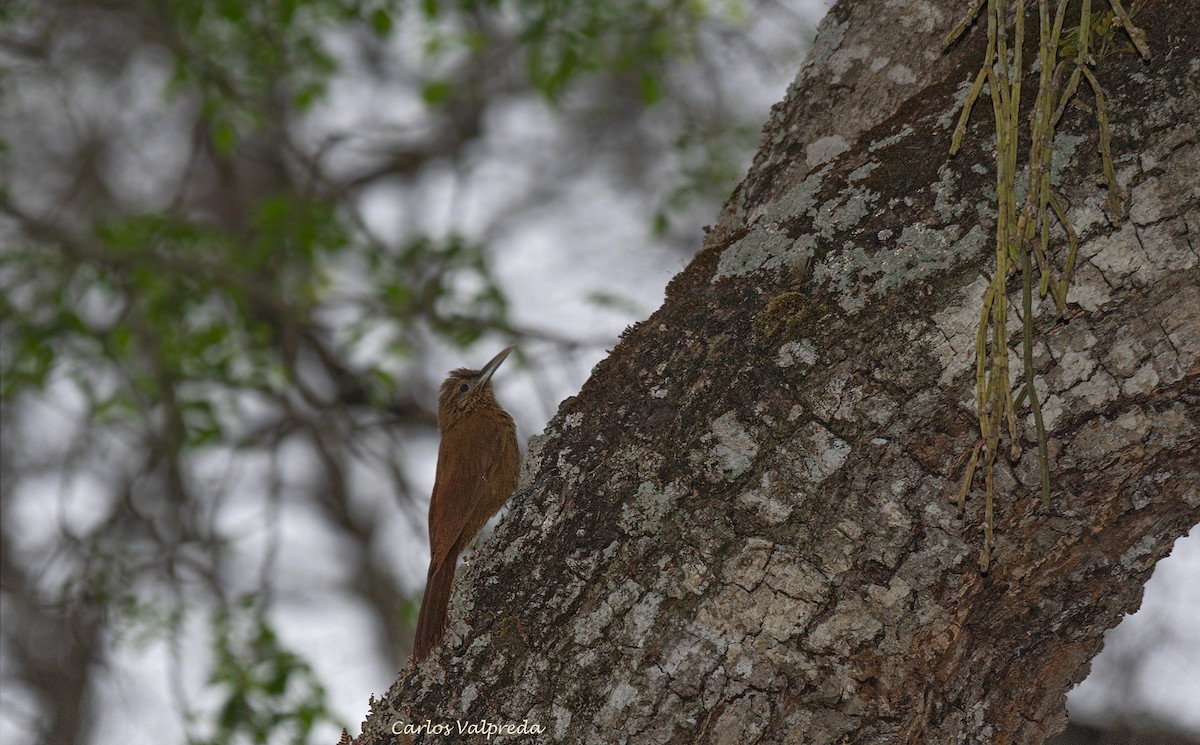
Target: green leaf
661,223
232,10
381,21
436,92
224,137
651,88
308,94
287,10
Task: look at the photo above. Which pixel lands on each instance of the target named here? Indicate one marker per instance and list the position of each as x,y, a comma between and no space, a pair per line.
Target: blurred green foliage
165,318
268,693
171,298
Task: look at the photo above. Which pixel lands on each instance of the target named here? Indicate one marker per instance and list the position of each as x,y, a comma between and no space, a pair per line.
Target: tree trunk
740,530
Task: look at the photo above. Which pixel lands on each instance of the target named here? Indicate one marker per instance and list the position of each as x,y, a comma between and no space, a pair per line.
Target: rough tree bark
739,530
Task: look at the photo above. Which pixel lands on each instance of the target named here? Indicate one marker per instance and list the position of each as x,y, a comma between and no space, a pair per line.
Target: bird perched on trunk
477,470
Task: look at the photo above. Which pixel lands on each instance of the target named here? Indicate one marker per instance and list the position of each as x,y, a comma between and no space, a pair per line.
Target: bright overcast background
547,206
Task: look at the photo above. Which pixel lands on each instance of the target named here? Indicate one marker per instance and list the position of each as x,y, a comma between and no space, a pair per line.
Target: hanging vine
1023,229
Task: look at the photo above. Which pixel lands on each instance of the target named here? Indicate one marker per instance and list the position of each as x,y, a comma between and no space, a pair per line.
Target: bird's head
465,392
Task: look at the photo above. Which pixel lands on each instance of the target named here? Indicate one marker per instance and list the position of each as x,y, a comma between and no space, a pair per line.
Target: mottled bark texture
739,530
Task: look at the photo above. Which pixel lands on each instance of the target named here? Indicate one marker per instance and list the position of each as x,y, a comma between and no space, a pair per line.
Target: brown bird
477,470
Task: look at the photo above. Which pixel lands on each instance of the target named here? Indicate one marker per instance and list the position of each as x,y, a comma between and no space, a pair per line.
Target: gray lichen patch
1089,289
890,140
946,201
560,717
1076,353
844,212
928,250
842,61
1117,255
799,352
532,462
796,201
860,173
1096,390
644,514
901,74
778,587
765,246
824,149
1088,217
887,598
951,336
1167,245
1155,242
640,619
692,578
1137,554
1146,203
1052,411
918,252
1127,353
689,664
1062,153
1141,382
830,34
949,117
733,448
824,452
892,513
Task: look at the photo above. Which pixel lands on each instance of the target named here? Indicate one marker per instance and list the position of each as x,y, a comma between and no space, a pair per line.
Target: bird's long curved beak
486,373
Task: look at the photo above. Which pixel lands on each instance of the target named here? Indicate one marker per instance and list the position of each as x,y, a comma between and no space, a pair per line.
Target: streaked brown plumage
477,471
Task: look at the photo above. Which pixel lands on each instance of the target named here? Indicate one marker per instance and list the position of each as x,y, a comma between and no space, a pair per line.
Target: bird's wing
465,465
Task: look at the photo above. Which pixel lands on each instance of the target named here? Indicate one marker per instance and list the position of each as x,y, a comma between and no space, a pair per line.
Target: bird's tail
431,624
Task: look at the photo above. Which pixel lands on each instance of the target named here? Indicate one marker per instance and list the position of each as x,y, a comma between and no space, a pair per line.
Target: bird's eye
464,388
